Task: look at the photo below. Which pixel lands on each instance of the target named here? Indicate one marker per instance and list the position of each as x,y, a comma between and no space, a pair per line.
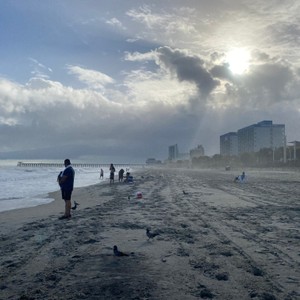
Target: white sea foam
27,187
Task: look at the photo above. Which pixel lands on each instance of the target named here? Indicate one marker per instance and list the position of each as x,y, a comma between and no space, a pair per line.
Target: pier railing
75,165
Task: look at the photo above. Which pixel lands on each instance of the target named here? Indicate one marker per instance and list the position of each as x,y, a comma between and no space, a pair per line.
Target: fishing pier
75,165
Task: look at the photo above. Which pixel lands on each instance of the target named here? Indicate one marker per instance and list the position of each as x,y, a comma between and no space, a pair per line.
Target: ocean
22,187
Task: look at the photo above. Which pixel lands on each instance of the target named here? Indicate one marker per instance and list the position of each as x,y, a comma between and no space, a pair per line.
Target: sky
122,80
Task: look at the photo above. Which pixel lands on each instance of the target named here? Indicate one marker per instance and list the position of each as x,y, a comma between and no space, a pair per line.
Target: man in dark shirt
66,183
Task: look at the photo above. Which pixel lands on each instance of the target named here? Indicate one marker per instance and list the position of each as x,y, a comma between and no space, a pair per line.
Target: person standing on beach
101,174
112,174
121,175
66,183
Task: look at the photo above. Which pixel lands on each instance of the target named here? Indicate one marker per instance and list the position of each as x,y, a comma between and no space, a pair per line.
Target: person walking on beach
101,174
66,183
112,174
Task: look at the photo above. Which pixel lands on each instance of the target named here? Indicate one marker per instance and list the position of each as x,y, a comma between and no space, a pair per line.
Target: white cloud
41,83
93,79
116,23
8,121
137,56
39,69
149,90
172,26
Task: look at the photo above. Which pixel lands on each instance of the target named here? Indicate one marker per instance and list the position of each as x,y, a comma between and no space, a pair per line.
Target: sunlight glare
238,60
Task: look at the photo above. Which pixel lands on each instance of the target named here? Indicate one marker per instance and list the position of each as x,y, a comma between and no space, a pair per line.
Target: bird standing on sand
119,253
75,205
151,235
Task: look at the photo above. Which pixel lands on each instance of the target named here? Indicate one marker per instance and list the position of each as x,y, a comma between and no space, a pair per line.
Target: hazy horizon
128,79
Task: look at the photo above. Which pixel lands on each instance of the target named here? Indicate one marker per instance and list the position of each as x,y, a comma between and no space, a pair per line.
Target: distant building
253,138
173,152
292,150
264,134
153,161
197,152
229,144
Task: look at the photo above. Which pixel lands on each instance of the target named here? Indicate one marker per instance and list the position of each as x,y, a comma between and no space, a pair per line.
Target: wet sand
218,240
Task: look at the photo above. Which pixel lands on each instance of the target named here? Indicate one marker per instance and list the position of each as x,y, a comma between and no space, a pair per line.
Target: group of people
66,177
112,171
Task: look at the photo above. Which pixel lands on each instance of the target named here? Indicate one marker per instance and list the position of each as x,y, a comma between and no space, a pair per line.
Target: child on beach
240,178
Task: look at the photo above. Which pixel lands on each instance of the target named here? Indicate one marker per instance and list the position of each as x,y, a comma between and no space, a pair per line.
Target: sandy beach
217,240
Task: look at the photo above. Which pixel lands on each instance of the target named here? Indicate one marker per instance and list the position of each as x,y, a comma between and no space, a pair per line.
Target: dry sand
222,240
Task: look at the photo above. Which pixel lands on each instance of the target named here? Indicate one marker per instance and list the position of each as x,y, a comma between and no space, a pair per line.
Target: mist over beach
218,239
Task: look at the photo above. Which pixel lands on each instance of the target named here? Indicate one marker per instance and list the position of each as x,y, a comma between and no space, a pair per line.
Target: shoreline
30,186
219,239
43,196
19,216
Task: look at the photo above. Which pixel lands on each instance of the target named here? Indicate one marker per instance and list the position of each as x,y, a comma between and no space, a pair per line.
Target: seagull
119,253
75,205
185,193
151,235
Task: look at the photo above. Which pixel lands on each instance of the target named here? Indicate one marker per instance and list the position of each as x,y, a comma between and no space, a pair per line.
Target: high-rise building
253,138
197,152
173,152
229,144
264,134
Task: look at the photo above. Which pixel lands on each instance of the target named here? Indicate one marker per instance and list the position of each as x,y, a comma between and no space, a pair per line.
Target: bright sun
238,60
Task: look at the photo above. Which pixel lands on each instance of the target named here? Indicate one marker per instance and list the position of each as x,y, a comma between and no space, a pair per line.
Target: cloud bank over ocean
130,79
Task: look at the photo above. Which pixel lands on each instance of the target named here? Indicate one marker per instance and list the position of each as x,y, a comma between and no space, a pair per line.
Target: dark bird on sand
151,235
185,193
75,205
119,253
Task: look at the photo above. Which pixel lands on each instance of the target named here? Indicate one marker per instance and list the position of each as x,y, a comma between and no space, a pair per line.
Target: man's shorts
66,195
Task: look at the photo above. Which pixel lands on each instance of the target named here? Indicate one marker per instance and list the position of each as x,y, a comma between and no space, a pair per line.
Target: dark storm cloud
188,68
222,72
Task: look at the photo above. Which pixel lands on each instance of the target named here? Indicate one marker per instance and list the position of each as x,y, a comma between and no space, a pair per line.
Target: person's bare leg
68,208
